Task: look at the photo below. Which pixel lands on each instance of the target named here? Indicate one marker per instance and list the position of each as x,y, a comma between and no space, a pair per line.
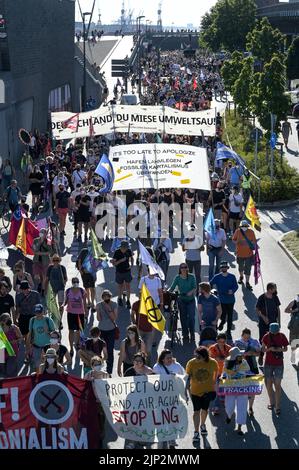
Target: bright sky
177,12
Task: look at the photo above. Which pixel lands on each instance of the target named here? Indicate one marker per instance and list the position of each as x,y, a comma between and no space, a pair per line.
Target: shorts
245,264
39,269
88,280
234,215
62,212
273,372
73,321
24,323
203,402
120,278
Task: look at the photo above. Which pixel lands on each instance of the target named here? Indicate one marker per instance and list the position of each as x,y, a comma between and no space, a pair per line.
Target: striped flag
71,123
5,344
209,224
21,241
223,152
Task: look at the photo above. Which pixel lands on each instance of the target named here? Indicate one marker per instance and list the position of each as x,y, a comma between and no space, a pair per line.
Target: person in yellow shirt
202,372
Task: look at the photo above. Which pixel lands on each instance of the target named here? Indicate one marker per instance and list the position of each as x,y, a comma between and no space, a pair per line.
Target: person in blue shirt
209,308
13,195
234,175
226,285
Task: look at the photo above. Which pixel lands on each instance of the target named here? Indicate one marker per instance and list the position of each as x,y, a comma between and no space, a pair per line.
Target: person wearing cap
51,365
235,209
26,299
40,327
274,344
236,367
268,311
215,242
226,284
245,241
107,315
123,261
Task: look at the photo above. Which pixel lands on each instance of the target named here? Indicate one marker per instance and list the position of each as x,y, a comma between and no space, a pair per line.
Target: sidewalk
291,154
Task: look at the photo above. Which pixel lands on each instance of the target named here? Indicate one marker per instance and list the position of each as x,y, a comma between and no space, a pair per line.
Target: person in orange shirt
245,241
219,351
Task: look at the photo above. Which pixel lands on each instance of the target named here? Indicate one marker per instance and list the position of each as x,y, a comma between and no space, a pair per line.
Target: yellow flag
21,241
252,215
150,309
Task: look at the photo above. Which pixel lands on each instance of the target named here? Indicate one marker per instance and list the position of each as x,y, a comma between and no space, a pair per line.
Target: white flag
147,259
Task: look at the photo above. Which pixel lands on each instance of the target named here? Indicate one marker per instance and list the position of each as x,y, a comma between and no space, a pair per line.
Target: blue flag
223,152
105,171
92,265
273,140
209,225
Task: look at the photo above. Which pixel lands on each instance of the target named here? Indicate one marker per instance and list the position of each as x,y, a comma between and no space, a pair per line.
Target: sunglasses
184,267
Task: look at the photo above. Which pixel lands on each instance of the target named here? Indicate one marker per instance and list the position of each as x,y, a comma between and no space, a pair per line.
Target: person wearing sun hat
274,344
226,284
51,364
245,241
236,367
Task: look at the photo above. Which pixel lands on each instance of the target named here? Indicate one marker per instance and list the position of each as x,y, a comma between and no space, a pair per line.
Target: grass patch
291,241
286,178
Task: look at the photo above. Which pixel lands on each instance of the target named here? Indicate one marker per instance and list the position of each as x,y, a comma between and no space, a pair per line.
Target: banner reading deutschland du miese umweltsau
159,166
148,119
145,408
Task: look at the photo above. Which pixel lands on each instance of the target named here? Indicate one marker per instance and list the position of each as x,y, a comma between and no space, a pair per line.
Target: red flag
91,128
49,412
31,233
194,84
71,123
15,225
257,265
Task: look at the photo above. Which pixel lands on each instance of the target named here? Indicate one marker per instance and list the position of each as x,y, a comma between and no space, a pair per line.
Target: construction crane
159,23
123,15
99,14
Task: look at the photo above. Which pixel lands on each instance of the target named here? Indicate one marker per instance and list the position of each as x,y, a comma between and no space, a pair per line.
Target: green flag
53,307
5,344
96,247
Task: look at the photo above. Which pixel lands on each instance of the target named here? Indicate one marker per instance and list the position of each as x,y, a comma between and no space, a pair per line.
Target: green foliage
286,182
227,24
293,60
264,41
242,87
231,70
267,93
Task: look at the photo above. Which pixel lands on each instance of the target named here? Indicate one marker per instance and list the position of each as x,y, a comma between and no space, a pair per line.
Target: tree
267,93
242,87
264,41
231,70
293,60
227,24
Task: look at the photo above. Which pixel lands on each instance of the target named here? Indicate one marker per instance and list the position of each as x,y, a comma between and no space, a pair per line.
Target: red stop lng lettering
167,416
129,417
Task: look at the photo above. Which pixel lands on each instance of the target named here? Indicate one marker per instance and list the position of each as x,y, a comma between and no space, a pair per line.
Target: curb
277,204
286,250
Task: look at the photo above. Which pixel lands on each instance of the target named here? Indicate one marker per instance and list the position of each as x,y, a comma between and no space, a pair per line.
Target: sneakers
196,437
203,430
248,286
240,281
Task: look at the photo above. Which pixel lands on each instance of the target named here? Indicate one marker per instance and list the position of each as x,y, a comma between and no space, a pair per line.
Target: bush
286,178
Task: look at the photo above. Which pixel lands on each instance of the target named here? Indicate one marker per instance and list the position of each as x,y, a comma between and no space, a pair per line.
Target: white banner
148,408
160,166
147,119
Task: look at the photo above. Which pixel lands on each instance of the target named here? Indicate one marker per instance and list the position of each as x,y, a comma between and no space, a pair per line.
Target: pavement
291,153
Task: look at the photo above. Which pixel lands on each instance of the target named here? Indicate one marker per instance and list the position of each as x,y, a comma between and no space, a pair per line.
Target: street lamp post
84,62
139,46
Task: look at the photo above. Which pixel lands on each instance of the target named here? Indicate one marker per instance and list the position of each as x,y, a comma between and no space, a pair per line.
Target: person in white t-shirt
154,285
58,180
235,209
91,157
78,176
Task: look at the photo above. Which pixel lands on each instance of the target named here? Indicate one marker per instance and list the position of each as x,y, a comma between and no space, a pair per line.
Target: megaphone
24,136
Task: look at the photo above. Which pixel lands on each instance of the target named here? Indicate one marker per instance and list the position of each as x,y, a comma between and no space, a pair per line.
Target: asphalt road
265,430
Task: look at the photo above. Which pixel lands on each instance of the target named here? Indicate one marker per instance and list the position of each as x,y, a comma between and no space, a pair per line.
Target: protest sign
145,408
159,166
246,386
141,119
48,412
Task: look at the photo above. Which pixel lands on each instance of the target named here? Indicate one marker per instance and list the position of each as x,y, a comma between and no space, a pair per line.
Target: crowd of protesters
62,182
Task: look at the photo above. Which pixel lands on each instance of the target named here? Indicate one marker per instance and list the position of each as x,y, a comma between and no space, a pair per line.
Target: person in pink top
14,336
77,312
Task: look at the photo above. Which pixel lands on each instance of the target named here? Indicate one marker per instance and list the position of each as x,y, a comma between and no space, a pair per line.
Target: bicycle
173,310
4,213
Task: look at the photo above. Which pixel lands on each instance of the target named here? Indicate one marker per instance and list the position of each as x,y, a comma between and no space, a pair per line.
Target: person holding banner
51,365
130,346
186,285
202,372
236,367
107,315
